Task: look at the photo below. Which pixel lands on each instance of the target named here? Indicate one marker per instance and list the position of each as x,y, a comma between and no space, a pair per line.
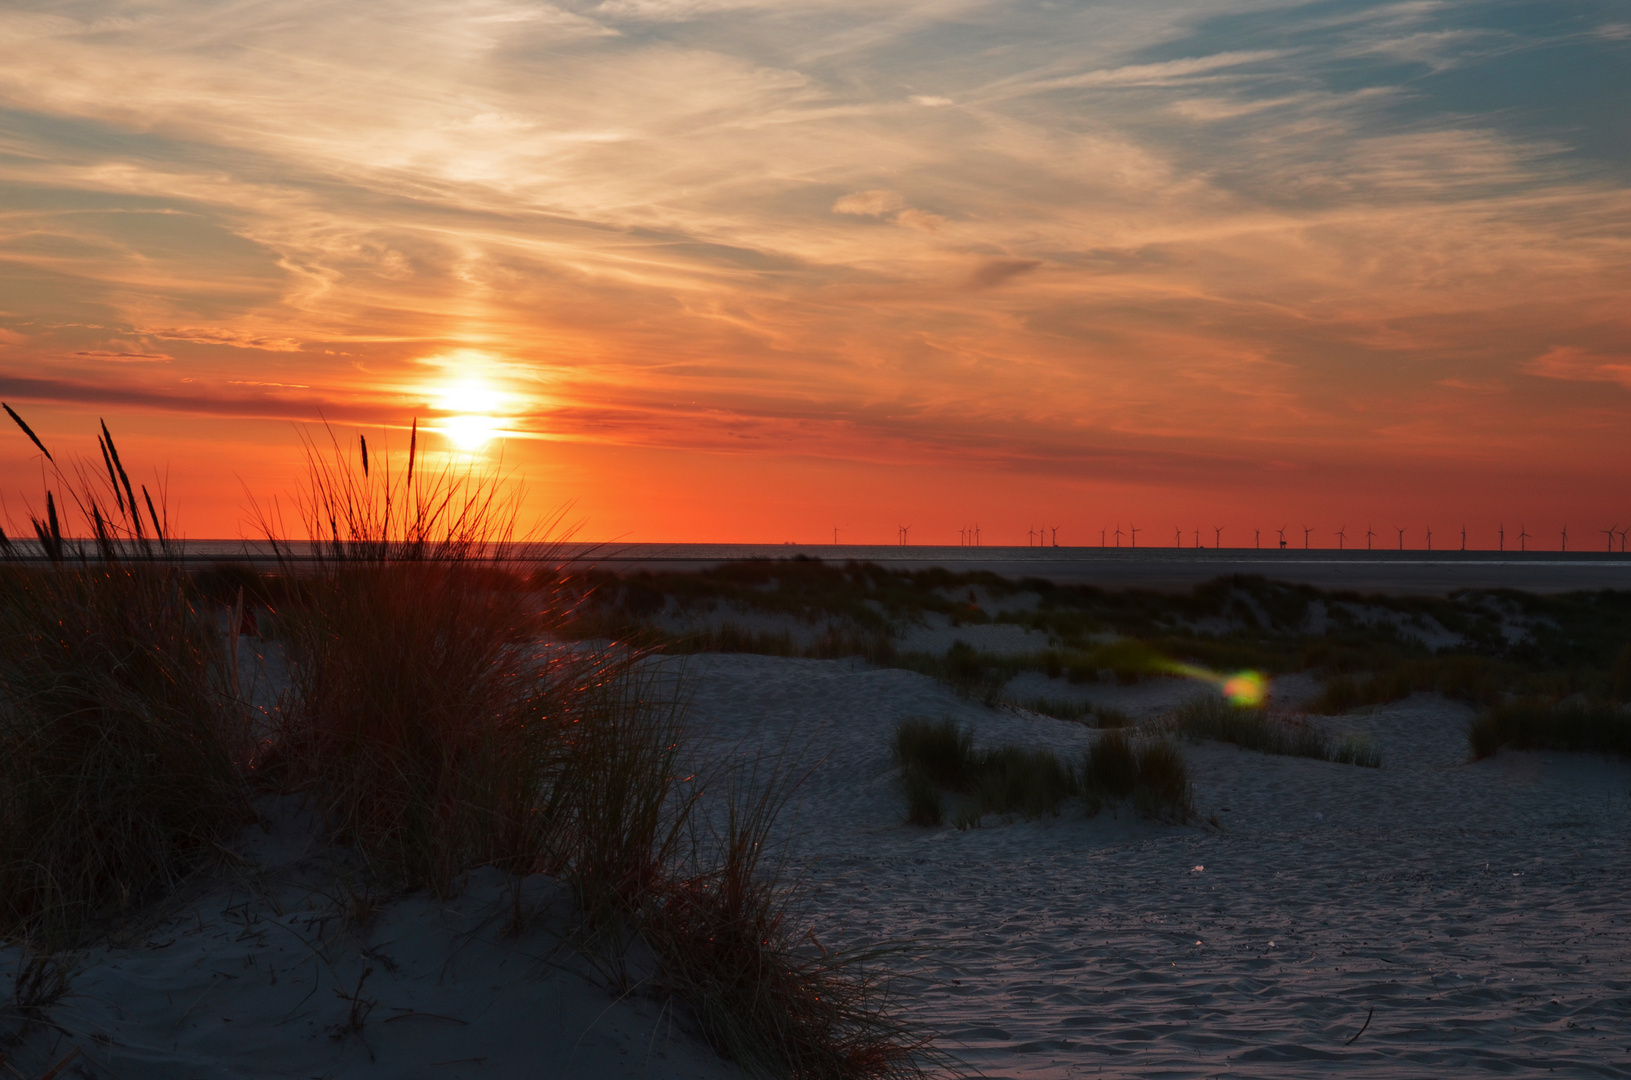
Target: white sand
247,981
1479,908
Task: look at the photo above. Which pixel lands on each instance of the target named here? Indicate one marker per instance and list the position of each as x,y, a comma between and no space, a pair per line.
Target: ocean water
1416,571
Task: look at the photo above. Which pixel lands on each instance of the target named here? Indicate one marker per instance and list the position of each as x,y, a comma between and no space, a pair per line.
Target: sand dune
1479,909
1475,913
258,978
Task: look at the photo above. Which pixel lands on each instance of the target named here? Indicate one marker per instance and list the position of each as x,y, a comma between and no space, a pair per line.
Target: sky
756,270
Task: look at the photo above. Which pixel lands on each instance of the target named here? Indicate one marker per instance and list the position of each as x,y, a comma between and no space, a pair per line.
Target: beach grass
431,721
122,745
1149,773
939,756
1210,716
434,733
1576,727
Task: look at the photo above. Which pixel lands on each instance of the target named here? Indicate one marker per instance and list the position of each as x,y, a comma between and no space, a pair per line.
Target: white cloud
873,203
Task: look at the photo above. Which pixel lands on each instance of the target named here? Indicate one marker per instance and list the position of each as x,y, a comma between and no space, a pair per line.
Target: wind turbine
1501,532
1101,538
1401,538
1429,538
1197,538
1611,532
1217,537
976,534
1257,538
905,535
835,536
1565,538
1523,538
1030,538
1306,531
1118,535
1369,536
1463,538
1133,529
1055,529
1622,540
1342,537
1177,537
1282,531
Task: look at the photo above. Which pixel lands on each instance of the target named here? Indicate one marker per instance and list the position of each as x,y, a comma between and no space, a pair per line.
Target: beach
1310,917
1476,907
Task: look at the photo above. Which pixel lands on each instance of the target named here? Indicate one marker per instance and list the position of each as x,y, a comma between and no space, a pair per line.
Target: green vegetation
939,756
1211,717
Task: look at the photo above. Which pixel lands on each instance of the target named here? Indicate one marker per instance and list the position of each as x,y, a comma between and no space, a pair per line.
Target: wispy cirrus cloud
1023,229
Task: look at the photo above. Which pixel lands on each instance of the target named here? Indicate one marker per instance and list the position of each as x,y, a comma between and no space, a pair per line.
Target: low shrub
1538,725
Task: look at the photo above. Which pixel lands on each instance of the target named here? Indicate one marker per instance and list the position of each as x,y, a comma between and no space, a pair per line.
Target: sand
1479,909
1475,913
257,976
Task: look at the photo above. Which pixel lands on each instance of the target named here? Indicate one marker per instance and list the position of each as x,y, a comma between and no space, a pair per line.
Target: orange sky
747,271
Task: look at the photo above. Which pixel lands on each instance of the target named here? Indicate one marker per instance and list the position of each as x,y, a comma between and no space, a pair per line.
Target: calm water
1153,567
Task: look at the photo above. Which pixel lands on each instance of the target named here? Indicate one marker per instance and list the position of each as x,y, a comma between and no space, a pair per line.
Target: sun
474,407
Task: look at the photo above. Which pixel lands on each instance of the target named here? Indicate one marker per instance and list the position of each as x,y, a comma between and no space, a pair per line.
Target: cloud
1580,365
999,271
123,357
1165,73
638,201
873,203
920,219
237,339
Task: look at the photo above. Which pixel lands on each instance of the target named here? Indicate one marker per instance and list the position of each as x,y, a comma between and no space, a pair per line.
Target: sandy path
1479,908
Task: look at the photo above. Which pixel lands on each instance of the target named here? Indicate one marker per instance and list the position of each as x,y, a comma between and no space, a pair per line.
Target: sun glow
475,409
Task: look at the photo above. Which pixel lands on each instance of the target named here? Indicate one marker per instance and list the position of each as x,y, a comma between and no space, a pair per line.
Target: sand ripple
1479,910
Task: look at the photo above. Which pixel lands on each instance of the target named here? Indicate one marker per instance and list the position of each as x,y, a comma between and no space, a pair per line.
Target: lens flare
1244,689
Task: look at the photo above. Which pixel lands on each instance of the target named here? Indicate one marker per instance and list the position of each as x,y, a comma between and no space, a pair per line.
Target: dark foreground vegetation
425,723
939,757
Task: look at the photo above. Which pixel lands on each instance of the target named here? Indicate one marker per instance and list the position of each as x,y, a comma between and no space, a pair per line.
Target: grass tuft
435,734
1537,725
925,805
935,756
1151,774
122,745
1211,717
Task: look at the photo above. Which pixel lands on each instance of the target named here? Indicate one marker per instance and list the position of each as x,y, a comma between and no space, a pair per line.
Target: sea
1162,568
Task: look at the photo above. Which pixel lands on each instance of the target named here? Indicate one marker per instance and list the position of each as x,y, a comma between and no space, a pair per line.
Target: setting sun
475,408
